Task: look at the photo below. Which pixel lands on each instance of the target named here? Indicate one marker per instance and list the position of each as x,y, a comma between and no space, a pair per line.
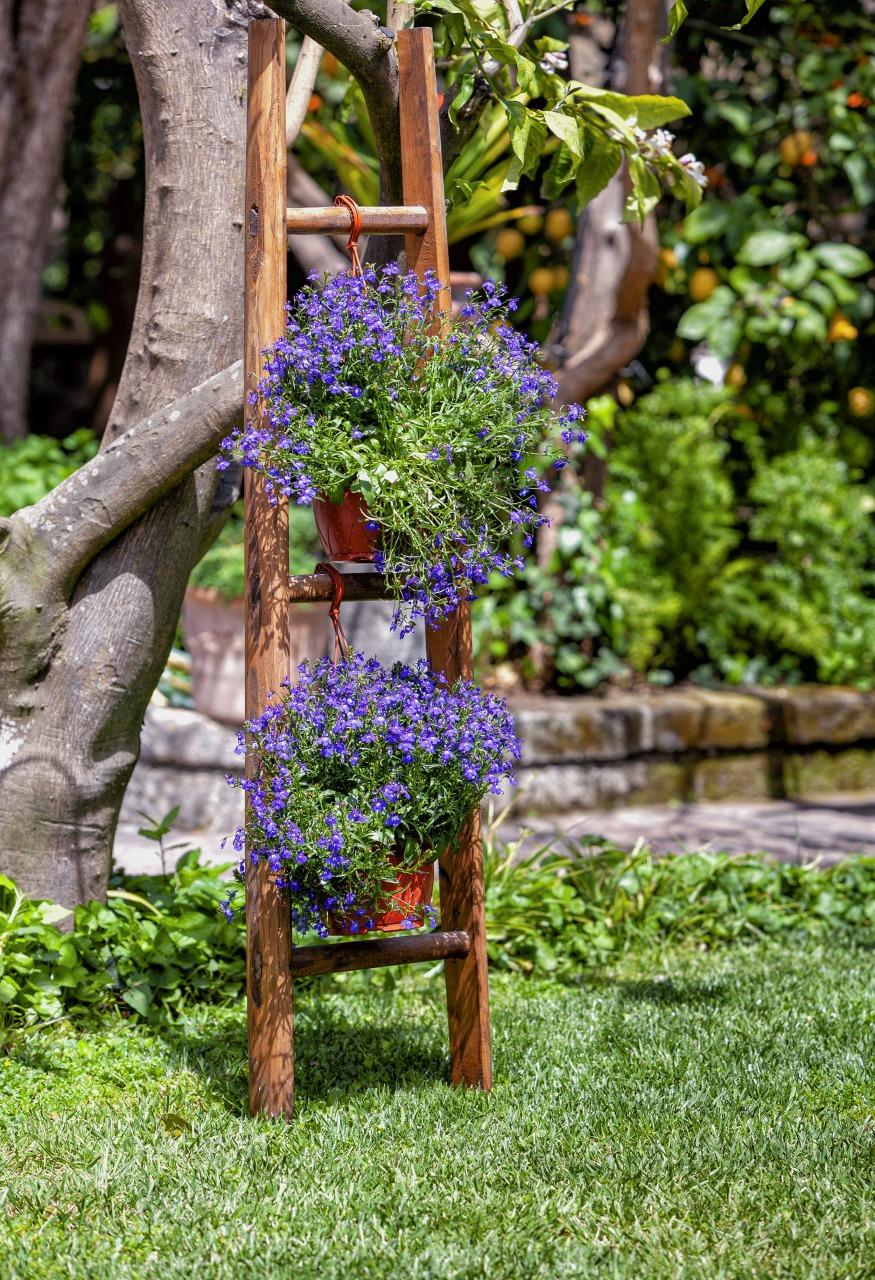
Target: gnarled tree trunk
78,668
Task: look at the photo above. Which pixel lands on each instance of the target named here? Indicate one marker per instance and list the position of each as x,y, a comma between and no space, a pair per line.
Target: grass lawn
685,1114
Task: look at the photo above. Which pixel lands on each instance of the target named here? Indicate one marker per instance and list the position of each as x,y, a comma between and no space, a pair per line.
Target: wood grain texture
380,220
357,586
449,646
421,162
268,924
373,953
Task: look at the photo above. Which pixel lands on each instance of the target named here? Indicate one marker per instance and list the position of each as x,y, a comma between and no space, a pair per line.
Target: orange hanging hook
341,644
355,220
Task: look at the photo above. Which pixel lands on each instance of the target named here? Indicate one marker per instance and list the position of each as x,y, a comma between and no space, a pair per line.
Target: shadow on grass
663,991
334,1056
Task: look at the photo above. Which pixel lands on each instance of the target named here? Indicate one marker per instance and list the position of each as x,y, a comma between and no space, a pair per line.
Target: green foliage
31,467
585,131
221,569
719,548
786,224
809,598
158,942
553,912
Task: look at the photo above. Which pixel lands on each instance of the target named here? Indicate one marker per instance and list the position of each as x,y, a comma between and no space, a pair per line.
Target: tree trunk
40,50
79,670
606,318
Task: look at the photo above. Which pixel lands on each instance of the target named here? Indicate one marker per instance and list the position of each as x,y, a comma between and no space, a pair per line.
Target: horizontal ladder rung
356,586
372,953
380,219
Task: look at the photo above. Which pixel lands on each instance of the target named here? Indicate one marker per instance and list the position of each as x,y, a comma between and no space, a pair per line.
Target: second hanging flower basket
361,774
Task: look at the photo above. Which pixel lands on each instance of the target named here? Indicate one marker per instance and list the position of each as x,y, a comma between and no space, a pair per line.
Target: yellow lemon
558,225
735,376
509,243
794,147
541,281
861,401
531,224
703,282
625,394
841,329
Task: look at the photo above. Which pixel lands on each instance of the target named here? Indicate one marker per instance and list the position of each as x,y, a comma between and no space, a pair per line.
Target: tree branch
301,88
357,40
95,504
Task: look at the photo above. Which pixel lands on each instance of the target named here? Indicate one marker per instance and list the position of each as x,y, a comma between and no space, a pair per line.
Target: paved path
826,828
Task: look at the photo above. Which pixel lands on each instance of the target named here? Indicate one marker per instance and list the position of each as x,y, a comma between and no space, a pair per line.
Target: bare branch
513,13
357,40
301,87
92,507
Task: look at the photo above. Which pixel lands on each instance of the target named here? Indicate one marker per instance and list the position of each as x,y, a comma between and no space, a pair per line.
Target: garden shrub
31,467
711,554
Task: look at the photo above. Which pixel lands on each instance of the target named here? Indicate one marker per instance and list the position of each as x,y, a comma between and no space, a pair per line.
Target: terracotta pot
413,889
214,633
341,528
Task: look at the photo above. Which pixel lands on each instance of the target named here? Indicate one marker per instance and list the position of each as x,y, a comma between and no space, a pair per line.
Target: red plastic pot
342,531
412,891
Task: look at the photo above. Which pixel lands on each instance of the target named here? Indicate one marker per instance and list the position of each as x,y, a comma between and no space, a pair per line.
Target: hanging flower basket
359,770
438,435
345,529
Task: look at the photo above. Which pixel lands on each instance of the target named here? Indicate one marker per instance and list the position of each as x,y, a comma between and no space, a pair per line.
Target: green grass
685,1114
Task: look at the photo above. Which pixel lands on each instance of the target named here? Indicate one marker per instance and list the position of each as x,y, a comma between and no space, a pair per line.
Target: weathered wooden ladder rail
272,961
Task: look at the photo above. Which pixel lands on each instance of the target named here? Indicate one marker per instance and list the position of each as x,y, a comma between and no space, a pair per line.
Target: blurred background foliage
721,529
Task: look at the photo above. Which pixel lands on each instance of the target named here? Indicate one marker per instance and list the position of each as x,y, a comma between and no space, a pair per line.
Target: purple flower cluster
436,427
358,764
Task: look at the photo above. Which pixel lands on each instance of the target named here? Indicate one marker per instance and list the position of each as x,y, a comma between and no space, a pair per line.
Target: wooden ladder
272,961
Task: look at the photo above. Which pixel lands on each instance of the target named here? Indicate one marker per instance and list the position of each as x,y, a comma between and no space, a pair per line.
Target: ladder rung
372,953
318,586
380,219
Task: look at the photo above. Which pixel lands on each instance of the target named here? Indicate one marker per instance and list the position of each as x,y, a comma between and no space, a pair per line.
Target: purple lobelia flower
439,430
357,764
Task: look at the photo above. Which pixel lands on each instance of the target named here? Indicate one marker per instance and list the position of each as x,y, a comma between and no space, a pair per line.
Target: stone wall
582,752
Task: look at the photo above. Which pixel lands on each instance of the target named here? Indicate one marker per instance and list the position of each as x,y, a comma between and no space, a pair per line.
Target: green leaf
560,172
8,990
566,129
677,15
708,222
764,248
845,259
139,998
528,133
646,191
737,114
175,1125
463,92
698,321
53,911
798,273
752,6
652,110
601,161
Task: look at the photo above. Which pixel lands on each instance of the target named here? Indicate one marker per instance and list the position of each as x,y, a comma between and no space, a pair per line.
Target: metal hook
341,644
355,220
